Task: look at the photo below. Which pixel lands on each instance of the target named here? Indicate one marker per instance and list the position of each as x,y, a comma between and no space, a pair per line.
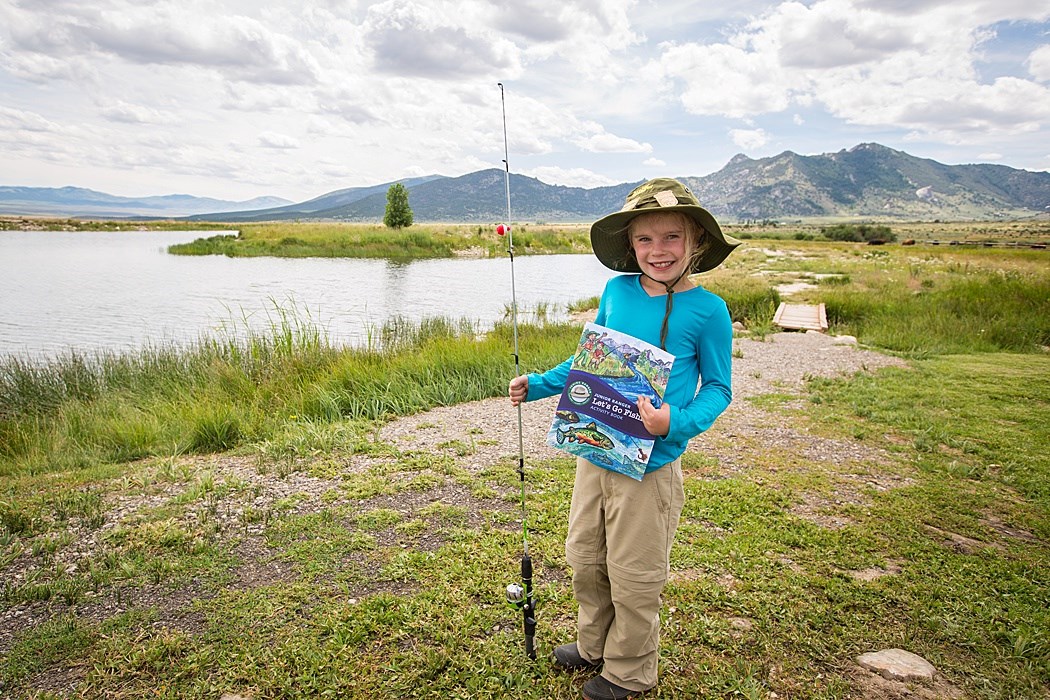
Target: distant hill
80,202
482,196
866,181
318,207
870,180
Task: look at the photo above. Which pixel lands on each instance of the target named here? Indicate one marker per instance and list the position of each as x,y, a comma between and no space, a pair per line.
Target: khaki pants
619,547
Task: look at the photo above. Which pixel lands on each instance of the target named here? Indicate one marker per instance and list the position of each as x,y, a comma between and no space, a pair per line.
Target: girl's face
661,245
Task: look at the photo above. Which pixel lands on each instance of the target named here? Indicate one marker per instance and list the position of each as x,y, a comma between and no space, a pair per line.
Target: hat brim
611,247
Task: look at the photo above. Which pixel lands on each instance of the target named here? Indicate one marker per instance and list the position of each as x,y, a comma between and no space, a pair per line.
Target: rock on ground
898,665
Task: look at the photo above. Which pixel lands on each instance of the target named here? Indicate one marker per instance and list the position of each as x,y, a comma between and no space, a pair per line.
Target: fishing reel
516,596
520,597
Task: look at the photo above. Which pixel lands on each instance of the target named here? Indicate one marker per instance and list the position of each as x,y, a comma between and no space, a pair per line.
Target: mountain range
85,203
866,181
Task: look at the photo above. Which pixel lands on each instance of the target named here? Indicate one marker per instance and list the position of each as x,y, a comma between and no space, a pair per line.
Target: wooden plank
799,317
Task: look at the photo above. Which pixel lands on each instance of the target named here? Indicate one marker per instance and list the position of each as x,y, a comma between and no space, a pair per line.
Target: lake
62,290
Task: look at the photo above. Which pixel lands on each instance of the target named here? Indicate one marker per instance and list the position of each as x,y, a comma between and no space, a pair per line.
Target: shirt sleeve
715,352
553,380
550,382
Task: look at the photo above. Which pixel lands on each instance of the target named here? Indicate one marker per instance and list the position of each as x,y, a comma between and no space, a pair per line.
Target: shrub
858,233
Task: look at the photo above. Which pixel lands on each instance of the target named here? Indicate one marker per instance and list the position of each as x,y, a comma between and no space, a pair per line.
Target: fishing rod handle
528,610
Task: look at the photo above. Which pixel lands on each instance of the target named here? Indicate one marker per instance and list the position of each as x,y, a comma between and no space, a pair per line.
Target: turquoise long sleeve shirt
700,336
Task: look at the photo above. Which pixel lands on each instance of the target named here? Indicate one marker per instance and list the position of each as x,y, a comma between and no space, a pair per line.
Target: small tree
398,213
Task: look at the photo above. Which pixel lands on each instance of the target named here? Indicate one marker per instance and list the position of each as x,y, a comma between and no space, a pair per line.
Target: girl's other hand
518,389
656,420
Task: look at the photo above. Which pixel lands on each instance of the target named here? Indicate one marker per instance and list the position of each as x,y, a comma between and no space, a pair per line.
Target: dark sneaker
598,688
568,657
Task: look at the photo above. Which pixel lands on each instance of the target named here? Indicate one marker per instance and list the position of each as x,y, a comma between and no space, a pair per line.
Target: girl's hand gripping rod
518,595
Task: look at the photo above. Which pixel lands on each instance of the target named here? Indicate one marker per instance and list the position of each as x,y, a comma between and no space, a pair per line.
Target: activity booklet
597,416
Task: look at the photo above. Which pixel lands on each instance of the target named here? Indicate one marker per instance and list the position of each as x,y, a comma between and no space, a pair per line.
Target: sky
236,99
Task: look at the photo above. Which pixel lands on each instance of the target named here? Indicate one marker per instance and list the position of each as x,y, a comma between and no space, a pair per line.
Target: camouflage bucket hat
609,234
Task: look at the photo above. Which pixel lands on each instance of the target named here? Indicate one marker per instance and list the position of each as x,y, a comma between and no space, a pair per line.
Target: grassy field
438,241
376,241
130,517
431,240
973,233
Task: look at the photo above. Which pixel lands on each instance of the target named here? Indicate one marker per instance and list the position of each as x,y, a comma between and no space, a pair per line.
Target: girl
620,529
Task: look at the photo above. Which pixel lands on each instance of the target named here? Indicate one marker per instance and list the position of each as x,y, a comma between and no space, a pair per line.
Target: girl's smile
662,247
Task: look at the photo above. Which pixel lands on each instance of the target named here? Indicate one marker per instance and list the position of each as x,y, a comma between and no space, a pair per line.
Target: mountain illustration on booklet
597,415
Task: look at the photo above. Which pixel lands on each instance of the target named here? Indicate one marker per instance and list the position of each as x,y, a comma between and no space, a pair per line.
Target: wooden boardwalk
798,317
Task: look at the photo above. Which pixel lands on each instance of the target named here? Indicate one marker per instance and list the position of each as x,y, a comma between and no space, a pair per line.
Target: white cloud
610,143
414,171
317,95
128,113
59,38
833,34
250,97
39,68
990,156
237,45
727,80
270,139
749,139
868,64
1039,63
570,177
411,39
591,36
980,12
17,120
534,20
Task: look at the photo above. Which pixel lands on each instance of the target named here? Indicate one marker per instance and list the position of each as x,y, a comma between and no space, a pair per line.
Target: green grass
969,412
278,388
353,616
952,312
389,582
751,301
373,241
915,302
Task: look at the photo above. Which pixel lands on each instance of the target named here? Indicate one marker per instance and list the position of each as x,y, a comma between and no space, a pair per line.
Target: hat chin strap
670,304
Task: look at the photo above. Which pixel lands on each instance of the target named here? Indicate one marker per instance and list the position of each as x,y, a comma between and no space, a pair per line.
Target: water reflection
121,290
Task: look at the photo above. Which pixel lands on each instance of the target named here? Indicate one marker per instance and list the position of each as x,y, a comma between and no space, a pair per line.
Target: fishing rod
519,595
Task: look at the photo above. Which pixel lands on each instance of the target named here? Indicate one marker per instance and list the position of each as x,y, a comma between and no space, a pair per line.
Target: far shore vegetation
444,241
357,598
436,240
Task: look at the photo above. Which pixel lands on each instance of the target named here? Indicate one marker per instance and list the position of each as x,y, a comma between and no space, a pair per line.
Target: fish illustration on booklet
597,416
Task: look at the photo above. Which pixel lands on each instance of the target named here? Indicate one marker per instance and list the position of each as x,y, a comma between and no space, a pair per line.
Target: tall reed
750,300
979,311
216,394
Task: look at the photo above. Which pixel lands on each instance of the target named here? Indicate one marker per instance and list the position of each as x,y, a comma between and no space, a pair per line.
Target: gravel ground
779,364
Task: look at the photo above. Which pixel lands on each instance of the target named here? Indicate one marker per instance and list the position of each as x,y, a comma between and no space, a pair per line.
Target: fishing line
518,595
